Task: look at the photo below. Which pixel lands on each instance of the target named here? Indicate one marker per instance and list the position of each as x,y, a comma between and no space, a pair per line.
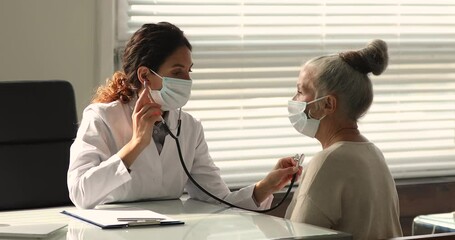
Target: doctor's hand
145,114
276,179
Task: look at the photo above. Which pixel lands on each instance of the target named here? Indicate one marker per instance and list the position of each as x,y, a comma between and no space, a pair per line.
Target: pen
140,219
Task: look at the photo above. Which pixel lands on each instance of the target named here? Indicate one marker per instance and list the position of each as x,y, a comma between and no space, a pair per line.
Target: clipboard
109,218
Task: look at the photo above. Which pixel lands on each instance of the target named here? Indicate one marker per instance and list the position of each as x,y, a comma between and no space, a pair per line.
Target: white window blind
247,56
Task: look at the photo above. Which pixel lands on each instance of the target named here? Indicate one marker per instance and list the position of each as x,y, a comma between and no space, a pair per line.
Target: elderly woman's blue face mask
305,125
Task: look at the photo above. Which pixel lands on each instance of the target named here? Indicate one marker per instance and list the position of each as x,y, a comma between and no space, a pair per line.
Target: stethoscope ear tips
299,159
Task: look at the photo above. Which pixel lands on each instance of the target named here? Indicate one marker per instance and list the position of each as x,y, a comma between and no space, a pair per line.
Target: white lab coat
97,175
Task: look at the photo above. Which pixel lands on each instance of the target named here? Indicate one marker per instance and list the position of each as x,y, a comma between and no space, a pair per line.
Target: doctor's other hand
276,179
145,114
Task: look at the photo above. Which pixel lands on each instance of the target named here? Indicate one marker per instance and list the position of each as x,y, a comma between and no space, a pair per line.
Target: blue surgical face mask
305,125
174,94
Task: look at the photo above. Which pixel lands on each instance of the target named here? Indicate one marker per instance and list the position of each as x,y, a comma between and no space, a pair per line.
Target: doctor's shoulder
106,111
191,121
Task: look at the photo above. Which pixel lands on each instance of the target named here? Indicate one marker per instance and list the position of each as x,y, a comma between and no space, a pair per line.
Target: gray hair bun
373,58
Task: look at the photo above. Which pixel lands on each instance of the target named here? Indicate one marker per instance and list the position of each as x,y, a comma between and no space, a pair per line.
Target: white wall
50,39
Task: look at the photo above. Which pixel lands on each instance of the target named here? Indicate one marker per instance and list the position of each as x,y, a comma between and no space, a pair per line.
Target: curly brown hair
149,46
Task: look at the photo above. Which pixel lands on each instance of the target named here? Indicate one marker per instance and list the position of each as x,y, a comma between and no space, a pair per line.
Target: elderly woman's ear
330,104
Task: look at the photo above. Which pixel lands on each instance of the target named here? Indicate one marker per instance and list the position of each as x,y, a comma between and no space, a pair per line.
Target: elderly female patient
347,186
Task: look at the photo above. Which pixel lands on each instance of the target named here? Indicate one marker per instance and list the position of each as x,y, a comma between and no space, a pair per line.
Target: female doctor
122,151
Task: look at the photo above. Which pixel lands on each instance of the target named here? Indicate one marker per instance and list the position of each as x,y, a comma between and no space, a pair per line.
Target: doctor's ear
143,74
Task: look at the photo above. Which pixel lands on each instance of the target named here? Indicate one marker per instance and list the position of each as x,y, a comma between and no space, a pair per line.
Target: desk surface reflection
202,221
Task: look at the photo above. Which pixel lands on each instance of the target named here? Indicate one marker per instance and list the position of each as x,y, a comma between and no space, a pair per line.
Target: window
247,55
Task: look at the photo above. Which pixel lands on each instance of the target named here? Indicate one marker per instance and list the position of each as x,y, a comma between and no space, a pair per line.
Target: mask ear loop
156,73
311,117
309,110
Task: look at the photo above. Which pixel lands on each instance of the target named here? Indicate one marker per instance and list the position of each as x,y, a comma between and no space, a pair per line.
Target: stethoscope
297,158
176,138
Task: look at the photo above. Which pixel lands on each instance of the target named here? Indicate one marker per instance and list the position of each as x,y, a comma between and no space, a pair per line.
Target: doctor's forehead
181,58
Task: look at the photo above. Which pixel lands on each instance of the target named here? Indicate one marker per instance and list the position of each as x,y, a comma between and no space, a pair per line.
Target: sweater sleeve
318,200
307,211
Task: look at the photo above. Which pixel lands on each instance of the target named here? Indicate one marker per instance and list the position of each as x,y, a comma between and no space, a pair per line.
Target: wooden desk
202,221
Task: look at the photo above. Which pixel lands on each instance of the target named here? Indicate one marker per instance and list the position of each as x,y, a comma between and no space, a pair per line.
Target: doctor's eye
177,73
181,74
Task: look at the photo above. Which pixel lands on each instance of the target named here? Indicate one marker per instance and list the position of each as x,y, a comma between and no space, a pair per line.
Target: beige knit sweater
348,187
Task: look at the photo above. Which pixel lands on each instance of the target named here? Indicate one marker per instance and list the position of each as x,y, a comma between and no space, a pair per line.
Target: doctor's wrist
129,153
261,191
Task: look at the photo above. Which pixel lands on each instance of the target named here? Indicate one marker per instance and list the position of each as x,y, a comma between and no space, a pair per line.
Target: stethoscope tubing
175,137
